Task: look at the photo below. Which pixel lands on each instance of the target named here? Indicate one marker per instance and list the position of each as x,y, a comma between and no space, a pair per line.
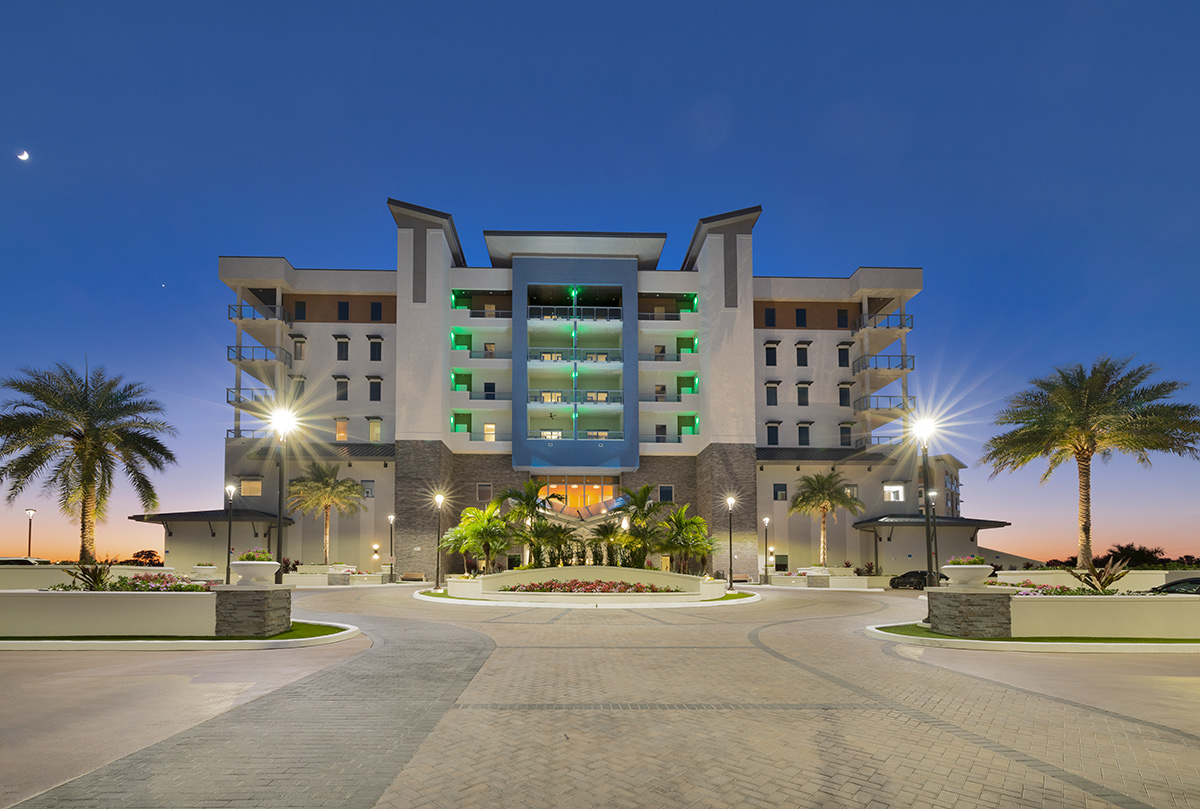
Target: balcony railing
892,321
574,313
659,357
883,362
660,439
249,395
560,396
489,313
502,396
551,396
490,437
568,354
599,396
576,435
878,440
259,354
659,397
249,433
662,315
884,403
490,355
245,311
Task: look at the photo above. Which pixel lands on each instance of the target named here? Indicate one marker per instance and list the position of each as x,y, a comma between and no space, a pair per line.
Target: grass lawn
299,630
917,631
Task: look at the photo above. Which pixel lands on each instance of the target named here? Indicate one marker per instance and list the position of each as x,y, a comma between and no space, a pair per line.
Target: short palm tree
526,514
644,532
75,431
481,532
1077,413
824,494
686,537
605,536
319,490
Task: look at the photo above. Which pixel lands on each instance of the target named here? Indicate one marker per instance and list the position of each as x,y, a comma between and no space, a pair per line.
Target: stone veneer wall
256,612
722,470
423,468
970,614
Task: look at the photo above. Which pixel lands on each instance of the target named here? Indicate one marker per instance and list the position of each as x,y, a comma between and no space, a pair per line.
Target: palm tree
75,431
1082,414
824,494
526,513
604,536
643,532
686,536
319,490
480,532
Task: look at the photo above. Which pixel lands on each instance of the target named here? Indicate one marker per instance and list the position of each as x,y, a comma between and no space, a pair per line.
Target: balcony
500,396
878,440
564,396
600,397
490,355
246,312
487,313
568,354
249,434
893,321
576,435
260,362
251,399
897,363
882,409
489,438
555,396
660,439
595,313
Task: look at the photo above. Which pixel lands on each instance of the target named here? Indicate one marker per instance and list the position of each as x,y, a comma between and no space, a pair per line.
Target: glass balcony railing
501,396
249,433
574,312
490,313
576,435
892,321
659,397
657,357
877,440
883,362
660,439
259,354
568,354
249,395
663,315
884,403
599,396
562,396
490,437
552,396
490,354
245,311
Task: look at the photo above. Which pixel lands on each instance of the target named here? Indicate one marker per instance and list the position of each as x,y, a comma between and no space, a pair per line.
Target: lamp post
283,421
392,548
932,493
229,490
924,429
766,539
29,512
729,501
437,544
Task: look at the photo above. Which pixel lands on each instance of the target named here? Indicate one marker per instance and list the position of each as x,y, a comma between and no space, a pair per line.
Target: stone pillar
974,613
423,469
255,611
723,470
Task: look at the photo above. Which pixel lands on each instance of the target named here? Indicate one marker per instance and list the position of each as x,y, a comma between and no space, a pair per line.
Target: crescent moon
23,155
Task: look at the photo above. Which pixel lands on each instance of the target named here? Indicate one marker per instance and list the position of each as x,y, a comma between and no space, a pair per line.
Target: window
489,433
843,356
779,491
297,349
375,389
376,310
772,394
801,318
343,310
368,488
802,395
893,493
666,494
297,386
770,355
851,490
781,562
341,430
300,310
769,317
843,318
375,429
376,351
802,435
843,396
801,356
772,435
483,492
343,388
489,390
251,488
844,431
343,350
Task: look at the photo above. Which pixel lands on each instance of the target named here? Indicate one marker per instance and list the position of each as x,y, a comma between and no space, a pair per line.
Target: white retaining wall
1165,616
55,614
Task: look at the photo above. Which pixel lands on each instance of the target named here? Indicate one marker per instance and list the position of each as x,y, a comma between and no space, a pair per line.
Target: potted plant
255,566
966,571
205,571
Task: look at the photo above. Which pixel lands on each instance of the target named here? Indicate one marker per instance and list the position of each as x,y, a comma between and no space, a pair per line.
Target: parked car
1180,586
23,560
914,578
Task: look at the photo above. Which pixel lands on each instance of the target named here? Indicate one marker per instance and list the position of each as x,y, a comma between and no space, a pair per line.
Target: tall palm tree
644,531
1083,414
824,494
75,431
604,538
319,490
686,536
526,513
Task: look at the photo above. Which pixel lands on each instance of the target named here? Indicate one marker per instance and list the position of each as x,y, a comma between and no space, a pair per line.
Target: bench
412,577
744,578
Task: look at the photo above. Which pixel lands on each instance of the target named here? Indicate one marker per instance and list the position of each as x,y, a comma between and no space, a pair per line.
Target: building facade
576,359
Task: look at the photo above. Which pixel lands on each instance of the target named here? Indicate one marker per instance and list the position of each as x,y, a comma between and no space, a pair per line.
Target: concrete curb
1027,646
470,602
32,645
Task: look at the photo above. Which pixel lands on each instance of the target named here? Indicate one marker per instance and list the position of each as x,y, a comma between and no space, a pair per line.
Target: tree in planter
1079,414
526,514
644,531
481,533
76,431
685,537
603,542
320,491
824,494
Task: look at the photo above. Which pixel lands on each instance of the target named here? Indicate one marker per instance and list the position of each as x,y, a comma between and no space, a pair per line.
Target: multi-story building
576,359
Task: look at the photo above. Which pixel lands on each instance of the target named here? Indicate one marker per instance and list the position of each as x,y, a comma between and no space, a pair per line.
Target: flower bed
577,586
1030,588
145,583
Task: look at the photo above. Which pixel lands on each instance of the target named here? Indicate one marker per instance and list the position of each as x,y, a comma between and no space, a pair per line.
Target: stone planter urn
340,568
204,572
967,575
255,572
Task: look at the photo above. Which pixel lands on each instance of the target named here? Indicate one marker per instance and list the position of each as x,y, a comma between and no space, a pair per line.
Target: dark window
781,562
844,397
343,390
802,435
368,488
298,387
343,350
769,317
843,357
843,318
376,310
772,394
343,310
772,435
801,318
376,390
489,390
300,310
376,351
483,492
845,433
780,491
298,350
666,494
801,356
802,395
770,355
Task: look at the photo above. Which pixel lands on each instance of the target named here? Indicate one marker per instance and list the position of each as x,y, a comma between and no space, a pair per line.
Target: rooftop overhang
407,215
503,245
918,521
211,515
741,220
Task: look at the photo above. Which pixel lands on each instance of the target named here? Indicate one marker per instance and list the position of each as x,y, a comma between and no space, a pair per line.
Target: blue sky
1038,160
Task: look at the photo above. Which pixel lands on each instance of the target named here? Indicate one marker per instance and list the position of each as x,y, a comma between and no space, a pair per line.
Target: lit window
893,493
375,430
489,433
852,490
251,488
368,488
341,430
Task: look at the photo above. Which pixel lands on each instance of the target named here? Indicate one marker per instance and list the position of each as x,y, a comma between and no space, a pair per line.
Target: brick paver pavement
783,703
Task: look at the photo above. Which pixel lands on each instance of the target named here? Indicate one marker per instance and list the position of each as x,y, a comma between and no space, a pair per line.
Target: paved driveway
778,703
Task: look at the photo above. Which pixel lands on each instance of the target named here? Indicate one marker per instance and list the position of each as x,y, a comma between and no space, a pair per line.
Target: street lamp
437,544
924,430
392,548
229,490
930,495
766,539
283,421
729,501
29,512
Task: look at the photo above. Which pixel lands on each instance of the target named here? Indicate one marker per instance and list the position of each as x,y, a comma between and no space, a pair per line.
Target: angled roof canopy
504,244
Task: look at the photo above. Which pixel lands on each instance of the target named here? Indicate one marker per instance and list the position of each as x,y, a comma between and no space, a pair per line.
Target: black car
914,578
1180,586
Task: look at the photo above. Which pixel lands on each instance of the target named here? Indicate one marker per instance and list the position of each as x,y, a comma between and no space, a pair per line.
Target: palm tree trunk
1085,510
327,534
823,560
87,526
